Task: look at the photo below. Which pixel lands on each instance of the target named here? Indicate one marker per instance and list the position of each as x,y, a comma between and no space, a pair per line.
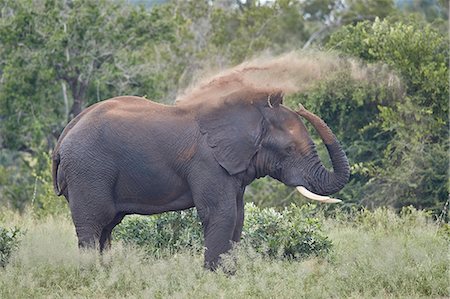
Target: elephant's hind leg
91,214
105,237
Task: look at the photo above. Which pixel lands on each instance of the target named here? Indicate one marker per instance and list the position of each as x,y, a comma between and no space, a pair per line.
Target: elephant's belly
148,208
148,194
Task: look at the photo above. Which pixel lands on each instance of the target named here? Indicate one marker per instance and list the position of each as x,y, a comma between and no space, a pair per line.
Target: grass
377,254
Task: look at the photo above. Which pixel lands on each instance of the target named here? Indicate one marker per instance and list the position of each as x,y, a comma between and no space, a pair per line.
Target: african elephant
129,155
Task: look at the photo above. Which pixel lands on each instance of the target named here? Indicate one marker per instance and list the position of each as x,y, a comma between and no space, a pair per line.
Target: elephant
130,155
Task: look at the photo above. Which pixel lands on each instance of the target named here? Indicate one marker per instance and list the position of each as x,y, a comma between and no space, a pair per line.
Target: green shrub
292,233
16,179
9,241
164,233
44,201
26,180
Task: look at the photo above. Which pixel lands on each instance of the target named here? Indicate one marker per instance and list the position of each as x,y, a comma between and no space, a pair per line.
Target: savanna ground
374,254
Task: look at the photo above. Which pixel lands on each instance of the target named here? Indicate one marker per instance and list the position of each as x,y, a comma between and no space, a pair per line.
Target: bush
16,180
26,180
45,202
164,233
387,220
9,241
292,233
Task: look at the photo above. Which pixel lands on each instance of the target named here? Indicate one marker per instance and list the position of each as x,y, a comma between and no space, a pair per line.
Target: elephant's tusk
268,102
326,199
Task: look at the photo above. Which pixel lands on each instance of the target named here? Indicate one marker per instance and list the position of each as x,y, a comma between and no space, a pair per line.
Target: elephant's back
122,125
125,108
129,107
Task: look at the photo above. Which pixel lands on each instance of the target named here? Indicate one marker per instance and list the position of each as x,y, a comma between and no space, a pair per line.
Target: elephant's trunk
327,182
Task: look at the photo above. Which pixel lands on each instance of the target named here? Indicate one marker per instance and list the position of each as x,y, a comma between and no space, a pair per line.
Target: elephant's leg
239,217
216,206
218,226
91,213
88,233
105,237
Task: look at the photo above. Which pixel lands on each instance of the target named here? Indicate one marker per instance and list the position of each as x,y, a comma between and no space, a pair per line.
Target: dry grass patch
370,259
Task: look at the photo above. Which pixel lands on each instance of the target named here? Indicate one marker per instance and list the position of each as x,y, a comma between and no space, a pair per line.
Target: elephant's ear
233,131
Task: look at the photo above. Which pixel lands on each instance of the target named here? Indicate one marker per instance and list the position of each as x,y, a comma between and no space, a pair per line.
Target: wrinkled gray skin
128,155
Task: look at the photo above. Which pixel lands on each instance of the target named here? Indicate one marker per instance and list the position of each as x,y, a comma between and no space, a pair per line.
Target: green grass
375,255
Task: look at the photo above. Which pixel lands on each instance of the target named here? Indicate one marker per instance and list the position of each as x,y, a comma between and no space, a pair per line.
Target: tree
56,57
412,167
55,51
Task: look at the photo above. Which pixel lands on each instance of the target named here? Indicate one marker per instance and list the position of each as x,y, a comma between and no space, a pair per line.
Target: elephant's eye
290,149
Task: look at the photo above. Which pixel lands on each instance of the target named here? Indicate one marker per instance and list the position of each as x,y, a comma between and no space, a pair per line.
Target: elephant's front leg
239,217
217,210
219,229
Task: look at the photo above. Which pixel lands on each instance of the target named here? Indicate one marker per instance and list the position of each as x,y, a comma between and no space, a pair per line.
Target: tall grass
375,254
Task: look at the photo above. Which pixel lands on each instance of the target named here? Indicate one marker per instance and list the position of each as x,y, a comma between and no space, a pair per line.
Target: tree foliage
413,165
59,56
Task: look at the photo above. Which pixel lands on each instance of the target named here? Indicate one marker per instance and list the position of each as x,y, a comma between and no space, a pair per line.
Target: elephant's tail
59,183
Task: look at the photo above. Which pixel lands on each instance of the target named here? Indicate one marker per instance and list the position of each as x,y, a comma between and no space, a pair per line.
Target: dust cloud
289,73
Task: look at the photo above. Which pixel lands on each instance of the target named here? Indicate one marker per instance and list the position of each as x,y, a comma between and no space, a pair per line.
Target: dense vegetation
292,233
57,57
9,241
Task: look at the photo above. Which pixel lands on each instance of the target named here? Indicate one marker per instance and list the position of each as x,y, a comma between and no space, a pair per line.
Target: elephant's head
253,133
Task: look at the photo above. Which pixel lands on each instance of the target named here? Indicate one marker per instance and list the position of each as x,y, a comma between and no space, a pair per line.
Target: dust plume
289,73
